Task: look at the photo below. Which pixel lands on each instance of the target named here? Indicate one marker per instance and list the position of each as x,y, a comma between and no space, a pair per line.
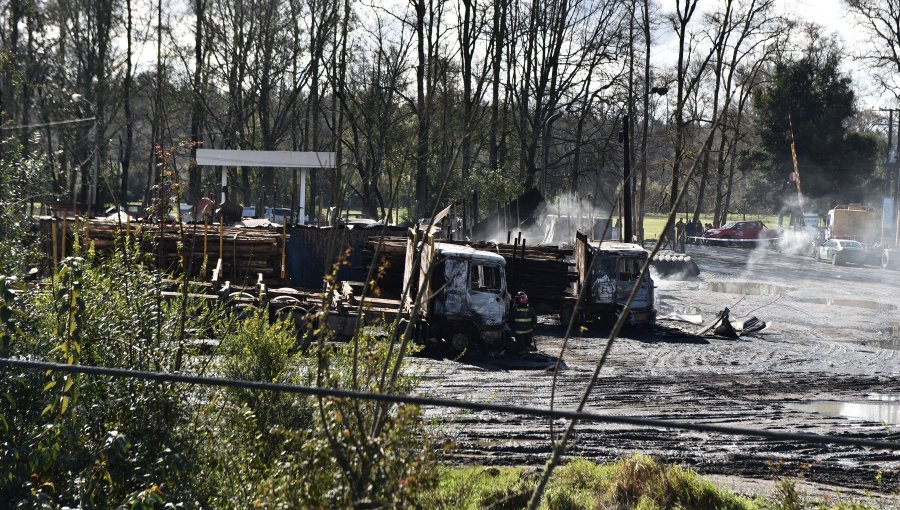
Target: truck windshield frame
485,277
629,268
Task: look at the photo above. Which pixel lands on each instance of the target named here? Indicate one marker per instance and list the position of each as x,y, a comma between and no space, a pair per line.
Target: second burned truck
608,281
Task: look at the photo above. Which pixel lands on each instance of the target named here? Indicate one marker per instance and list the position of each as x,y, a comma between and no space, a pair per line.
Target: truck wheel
565,316
459,342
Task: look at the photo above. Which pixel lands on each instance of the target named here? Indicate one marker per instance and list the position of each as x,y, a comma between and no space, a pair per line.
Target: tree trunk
645,123
129,114
737,137
498,36
421,178
195,180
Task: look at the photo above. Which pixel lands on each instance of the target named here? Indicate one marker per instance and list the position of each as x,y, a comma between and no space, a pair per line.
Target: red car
739,230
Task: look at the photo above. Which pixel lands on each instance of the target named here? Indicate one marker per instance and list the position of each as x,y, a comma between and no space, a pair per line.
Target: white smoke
556,222
798,241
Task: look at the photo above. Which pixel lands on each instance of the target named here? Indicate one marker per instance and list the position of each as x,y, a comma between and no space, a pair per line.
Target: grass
654,223
635,482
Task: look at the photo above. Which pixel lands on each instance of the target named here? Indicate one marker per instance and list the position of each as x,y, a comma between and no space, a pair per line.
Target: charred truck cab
467,301
610,281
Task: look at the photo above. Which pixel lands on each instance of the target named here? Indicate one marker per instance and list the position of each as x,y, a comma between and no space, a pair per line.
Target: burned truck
467,302
607,283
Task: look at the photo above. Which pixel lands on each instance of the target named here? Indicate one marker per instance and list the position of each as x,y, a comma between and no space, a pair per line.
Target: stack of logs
543,272
245,251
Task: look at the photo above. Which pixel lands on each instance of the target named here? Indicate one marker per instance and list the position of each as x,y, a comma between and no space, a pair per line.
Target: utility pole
890,160
545,152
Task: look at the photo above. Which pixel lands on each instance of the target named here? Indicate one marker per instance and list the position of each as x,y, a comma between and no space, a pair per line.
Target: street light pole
544,152
92,200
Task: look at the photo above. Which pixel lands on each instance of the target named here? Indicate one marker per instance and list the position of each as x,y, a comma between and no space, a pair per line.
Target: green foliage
493,185
787,496
257,350
643,482
96,442
817,99
19,249
635,482
348,456
93,441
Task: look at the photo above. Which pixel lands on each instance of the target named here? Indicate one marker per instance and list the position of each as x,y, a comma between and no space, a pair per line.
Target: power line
48,124
445,402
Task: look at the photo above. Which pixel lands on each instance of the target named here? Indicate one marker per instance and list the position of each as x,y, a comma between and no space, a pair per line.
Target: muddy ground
828,363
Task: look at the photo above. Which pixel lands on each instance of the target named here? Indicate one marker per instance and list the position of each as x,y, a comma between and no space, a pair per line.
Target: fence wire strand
448,403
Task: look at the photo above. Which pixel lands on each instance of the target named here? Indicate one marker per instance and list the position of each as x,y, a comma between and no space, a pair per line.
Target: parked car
739,230
278,214
842,251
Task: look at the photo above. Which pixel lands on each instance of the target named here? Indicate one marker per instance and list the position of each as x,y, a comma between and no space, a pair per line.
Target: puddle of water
854,303
878,409
890,331
883,397
889,344
750,288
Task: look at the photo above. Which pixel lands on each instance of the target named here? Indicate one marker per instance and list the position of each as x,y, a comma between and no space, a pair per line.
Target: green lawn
637,482
654,223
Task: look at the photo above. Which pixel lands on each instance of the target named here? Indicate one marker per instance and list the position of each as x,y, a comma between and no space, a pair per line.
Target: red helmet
522,298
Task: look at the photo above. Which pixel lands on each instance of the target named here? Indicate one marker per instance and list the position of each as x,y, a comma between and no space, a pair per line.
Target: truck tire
459,342
565,316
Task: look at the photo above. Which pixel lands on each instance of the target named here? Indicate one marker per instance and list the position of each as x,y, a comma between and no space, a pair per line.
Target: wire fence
449,403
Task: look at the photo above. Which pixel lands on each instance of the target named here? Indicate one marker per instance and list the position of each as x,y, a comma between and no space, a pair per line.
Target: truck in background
608,282
802,236
854,221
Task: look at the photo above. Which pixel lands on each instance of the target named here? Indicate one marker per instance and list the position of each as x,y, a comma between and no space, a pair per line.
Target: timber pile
545,273
246,252
542,272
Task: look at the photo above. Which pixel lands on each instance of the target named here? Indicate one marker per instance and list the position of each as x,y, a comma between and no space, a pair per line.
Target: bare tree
688,77
756,29
881,20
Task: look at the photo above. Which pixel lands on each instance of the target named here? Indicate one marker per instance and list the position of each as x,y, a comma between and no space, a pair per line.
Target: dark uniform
523,321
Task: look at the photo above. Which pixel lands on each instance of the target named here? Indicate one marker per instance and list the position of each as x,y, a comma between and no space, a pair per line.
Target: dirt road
828,363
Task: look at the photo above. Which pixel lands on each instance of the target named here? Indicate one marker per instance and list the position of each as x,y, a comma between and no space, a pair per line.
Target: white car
278,214
841,251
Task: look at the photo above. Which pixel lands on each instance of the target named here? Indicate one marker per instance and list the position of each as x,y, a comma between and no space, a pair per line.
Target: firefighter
523,321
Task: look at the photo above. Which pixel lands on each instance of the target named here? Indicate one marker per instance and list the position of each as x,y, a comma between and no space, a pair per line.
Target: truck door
487,291
448,284
602,283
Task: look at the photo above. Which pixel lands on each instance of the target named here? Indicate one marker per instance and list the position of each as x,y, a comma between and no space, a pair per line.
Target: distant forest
430,102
